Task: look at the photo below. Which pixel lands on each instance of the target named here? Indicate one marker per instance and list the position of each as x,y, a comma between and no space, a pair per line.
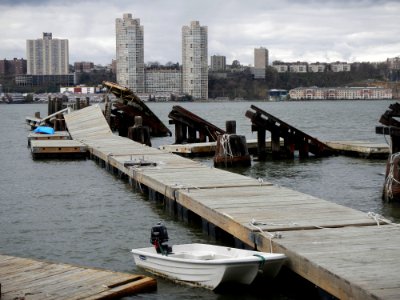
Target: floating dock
348,253
362,149
57,135
23,278
57,148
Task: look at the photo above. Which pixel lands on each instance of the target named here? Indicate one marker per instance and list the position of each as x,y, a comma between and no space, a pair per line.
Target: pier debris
190,128
128,106
294,139
391,188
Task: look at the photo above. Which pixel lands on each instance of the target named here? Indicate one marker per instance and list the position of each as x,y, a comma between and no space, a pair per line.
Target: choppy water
76,212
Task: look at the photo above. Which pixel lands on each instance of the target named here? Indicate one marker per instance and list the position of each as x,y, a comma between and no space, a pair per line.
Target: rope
390,178
226,145
379,218
262,262
270,235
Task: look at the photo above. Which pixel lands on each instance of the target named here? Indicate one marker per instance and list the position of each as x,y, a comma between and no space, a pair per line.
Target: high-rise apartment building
13,67
195,60
130,53
260,62
47,56
218,63
260,58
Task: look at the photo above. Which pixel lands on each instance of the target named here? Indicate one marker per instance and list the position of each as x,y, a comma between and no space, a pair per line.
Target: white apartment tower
47,56
195,60
260,62
260,58
130,53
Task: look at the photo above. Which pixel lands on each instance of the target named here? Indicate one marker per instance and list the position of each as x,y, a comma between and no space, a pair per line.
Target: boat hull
208,265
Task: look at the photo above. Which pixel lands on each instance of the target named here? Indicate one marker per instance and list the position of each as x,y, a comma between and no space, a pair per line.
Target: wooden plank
57,146
361,148
44,280
350,262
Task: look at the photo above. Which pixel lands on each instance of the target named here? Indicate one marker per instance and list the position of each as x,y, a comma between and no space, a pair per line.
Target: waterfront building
393,63
45,80
163,82
298,67
218,63
194,60
348,93
13,67
80,89
83,67
340,67
130,53
281,68
47,56
316,67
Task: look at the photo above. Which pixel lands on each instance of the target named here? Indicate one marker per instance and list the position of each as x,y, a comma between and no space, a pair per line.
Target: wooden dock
362,149
57,135
23,278
57,148
341,250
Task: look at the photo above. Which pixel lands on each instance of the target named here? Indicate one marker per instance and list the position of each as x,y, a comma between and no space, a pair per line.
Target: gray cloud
306,30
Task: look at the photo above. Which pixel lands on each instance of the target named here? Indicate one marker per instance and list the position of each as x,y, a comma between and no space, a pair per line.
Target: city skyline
307,30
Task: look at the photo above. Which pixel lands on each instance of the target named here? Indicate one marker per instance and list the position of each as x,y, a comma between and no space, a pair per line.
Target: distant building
277,95
393,63
13,67
340,67
260,58
350,93
45,80
298,67
47,56
260,62
218,63
83,67
317,67
195,60
130,53
164,82
281,68
81,90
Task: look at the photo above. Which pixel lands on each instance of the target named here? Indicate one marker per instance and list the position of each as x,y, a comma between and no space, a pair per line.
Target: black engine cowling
158,237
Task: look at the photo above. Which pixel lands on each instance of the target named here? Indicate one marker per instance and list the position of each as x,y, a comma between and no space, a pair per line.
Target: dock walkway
23,278
339,249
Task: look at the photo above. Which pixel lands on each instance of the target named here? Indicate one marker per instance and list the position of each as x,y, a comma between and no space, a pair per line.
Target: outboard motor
158,237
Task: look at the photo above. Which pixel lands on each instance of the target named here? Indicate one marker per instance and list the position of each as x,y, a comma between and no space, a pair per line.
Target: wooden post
230,127
180,133
304,149
192,135
87,101
261,149
275,144
49,106
78,103
37,114
139,133
231,149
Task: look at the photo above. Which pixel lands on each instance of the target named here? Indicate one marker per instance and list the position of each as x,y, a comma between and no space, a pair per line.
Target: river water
73,211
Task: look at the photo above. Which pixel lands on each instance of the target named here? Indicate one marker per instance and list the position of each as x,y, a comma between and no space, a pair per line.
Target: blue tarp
44,129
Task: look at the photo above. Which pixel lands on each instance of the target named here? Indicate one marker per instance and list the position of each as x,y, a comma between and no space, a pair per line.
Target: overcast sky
296,30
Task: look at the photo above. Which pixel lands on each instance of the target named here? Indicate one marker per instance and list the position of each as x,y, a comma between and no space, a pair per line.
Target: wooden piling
139,133
231,150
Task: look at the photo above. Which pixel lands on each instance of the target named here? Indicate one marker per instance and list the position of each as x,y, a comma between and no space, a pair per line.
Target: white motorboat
206,265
